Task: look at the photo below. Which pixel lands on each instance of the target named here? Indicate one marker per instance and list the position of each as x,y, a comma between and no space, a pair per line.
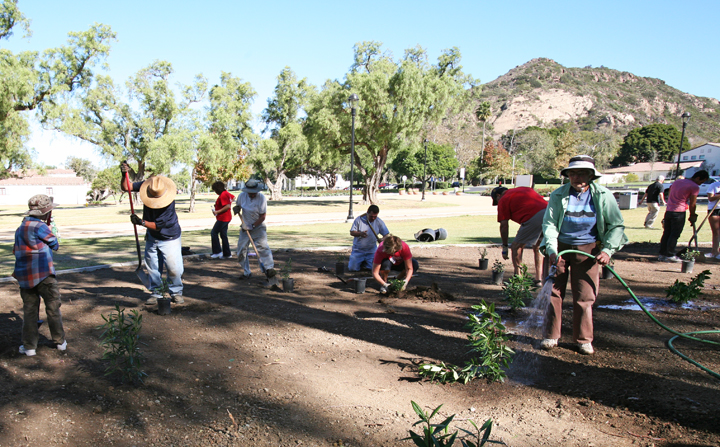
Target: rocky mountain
544,93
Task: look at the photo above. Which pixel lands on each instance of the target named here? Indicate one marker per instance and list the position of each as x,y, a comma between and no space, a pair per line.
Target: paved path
467,204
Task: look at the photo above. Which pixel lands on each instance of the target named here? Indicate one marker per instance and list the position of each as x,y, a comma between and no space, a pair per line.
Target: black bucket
340,268
359,285
288,285
163,306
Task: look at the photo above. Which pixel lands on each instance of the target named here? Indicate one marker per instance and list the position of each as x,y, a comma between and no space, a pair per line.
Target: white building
708,156
63,185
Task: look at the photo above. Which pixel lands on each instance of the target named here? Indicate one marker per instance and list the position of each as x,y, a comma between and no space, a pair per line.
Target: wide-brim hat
582,162
157,192
40,205
252,186
496,193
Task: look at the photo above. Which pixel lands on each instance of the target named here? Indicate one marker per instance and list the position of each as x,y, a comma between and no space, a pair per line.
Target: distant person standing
253,206
713,195
365,230
682,196
654,196
221,211
35,273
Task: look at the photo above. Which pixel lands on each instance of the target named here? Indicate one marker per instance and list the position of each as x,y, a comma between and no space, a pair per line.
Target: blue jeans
160,254
359,261
219,233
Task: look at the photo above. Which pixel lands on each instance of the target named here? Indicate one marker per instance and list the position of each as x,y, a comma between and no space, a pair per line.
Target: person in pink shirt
683,196
393,254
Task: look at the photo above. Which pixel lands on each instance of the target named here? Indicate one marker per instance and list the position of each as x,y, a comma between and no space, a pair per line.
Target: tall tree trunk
193,190
276,188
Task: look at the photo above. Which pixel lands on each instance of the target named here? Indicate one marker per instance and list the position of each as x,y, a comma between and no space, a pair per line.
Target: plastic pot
288,285
687,266
484,263
163,306
497,278
340,268
606,273
359,285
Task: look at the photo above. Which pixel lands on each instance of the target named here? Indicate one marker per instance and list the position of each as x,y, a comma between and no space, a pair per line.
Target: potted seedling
497,272
340,264
606,273
688,260
164,301
287,282
484,261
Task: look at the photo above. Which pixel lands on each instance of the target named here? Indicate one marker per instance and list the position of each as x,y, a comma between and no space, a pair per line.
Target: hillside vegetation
544,93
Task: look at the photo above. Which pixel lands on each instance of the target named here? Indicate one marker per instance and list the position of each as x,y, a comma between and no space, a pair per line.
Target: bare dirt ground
239,364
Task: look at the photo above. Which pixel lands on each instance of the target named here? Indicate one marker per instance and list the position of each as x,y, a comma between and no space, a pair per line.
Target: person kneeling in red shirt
393,254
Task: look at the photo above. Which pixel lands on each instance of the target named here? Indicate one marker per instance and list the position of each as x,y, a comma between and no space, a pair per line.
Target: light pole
353,100
424,172
685,117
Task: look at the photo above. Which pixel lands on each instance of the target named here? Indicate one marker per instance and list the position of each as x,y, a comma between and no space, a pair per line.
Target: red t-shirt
225,198
402,255
520,204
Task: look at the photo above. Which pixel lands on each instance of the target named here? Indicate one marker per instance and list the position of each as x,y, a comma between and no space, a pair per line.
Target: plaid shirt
33,258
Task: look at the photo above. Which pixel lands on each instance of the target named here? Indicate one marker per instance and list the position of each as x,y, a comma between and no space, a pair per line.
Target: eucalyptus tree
398,99
413,163
287,148
31,80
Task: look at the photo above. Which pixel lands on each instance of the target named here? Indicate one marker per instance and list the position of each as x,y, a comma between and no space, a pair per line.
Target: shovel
695,232
139,270
371,227
271,281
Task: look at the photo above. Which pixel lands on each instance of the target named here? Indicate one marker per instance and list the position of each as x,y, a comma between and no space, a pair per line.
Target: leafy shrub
519,288
690,255
535,83
631,178
498,266
437,435
121,340
681,293
442,185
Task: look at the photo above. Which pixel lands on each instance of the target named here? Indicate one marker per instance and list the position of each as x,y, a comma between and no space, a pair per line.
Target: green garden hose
687,335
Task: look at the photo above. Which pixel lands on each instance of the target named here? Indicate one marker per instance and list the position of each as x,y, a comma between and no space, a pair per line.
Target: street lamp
353,101
424,172
685,117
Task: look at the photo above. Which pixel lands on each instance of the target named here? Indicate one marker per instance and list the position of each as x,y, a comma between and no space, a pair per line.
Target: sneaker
177,299
63,346
673,259
709,255
27,352
586,348
548,343
244,277
228,257
215,255
151,301
662,258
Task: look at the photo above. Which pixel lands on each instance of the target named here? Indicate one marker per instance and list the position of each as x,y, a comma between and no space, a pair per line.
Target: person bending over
393,254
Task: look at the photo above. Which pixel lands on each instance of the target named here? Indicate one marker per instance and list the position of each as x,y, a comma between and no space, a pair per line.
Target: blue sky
254,40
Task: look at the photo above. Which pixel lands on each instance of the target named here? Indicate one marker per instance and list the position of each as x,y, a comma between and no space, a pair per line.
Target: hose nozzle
551,272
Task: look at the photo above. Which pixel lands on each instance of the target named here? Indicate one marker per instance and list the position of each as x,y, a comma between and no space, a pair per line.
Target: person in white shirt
253,205
713,195
366,230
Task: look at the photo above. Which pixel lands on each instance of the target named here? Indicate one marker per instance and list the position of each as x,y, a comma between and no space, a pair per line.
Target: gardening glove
384,288
236,209
246,226
136,220
505,253
404,284
692,218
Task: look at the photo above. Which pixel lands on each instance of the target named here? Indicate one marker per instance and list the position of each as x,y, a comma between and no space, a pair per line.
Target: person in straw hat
253,206
163,246
583,216
35,273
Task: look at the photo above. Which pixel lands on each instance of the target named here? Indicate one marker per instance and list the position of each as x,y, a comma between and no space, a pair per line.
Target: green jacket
610,224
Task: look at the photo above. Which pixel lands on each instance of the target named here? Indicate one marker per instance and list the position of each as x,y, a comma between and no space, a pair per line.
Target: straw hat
157,192
40,205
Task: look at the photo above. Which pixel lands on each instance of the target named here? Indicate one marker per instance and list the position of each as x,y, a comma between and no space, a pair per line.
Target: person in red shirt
525,206
222,213
393,254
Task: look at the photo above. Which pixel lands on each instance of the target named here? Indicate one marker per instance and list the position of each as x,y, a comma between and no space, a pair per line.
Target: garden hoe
139,270
695,232
273,280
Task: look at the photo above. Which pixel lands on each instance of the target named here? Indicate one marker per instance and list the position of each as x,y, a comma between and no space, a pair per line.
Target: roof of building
53,177
659,166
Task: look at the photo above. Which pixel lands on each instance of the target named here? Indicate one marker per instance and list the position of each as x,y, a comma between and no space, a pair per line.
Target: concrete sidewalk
472,204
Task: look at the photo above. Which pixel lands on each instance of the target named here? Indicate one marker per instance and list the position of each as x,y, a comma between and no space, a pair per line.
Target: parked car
388,186
455,184
705,186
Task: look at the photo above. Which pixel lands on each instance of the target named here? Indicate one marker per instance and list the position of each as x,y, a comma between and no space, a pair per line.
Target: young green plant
498,266
437,435
121,340
518,289
681,293
286,269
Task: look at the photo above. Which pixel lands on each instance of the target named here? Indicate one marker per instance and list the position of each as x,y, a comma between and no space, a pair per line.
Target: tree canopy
655,142
441,162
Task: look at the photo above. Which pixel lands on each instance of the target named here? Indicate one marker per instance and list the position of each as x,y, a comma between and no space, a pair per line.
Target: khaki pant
584,275
50,292
653,211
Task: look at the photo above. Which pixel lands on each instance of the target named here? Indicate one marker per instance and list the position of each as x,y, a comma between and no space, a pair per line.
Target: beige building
63,185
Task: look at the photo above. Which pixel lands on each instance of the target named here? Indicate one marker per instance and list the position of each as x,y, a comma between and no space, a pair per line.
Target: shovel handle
132,210
252,242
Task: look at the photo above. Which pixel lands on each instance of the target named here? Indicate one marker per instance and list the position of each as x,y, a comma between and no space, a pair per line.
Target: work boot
152,300
270,273
177,299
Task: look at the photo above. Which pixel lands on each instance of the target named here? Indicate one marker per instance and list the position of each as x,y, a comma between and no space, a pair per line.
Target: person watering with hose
163,246
253,205
365,229
580,216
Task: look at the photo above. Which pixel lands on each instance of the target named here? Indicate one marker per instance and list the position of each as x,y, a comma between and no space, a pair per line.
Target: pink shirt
401,255
680,191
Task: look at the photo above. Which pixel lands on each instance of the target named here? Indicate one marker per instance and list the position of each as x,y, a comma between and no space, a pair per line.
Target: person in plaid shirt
35,274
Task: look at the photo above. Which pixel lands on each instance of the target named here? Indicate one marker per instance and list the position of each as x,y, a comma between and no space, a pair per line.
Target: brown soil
239,364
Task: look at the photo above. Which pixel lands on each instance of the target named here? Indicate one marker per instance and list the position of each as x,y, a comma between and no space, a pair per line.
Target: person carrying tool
35,273
525,206
654,196
163,245
393,254
253,205
713,195
222,213
583,216
366,230
682,196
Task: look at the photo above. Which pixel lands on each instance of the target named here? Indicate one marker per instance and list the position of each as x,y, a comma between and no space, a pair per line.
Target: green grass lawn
75,253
